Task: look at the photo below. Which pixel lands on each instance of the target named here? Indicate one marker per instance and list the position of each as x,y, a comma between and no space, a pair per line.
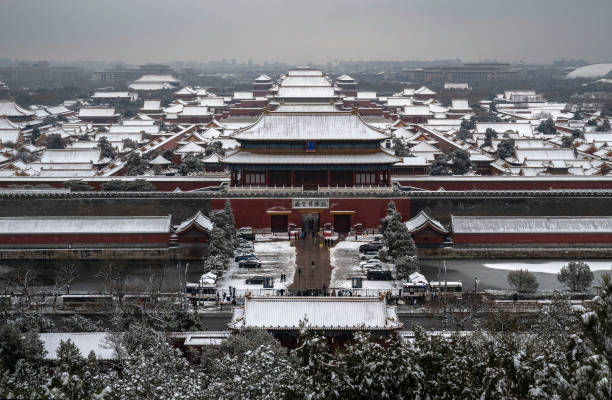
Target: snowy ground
276,258
344,259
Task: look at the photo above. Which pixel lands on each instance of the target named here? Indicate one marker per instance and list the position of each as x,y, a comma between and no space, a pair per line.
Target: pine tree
576,276
591,351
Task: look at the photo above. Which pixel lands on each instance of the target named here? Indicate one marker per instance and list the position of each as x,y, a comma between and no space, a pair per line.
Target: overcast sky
138,31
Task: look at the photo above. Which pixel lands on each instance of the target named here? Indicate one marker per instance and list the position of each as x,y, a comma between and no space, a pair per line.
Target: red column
328,178
388,177
267,178
377,177
353,177
241,177
292,178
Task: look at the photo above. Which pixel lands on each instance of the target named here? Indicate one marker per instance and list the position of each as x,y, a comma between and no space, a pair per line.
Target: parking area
347,264
276,258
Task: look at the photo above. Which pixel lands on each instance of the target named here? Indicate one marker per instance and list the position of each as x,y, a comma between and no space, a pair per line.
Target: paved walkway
311,277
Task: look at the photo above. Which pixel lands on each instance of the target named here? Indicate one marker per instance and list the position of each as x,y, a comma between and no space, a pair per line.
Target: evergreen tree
106,148
441,166
190,165
136,165
505,148
547,127
464,134
576,276
55,141
490,134
591,352
461,162
523,281
35,135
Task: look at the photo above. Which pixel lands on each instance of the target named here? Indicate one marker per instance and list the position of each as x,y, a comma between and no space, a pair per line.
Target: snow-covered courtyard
276,257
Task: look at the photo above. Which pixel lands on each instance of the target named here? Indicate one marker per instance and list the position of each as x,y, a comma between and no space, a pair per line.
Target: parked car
249,264
246,233
379,275
255,280
372,263
368,255
245,256
364,248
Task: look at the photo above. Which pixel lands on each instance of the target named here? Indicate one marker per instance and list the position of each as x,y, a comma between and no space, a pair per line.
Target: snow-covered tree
591,351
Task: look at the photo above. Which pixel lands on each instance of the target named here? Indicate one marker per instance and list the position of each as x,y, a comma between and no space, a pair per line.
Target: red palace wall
556,238
94,238
253,212
479,183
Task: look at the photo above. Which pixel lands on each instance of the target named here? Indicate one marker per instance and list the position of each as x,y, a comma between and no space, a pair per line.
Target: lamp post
447,244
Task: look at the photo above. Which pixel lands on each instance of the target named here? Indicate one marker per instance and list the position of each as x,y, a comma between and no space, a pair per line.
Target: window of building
254,178
365,178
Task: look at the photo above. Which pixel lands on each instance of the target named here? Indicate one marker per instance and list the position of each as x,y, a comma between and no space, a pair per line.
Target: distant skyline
298,32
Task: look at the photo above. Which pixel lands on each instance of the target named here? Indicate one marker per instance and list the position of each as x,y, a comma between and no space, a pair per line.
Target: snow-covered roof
328,313
591,71
421,220
199,220
345,78
195,111
363,95
300,81
159,160
156,79
57,110
151,105
150,129
522,128
545,154
314,126
243,96
306,108
398,101
458,104
54,156
423,90
11,109
86,342
83,225
9,135
262,78
111,95
190,148
245,157
304,72
499,225
416,110
6,123
151,86
212,102
318,92
97,112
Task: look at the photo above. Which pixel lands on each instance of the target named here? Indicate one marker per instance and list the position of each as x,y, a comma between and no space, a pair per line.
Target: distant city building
468,72
123,75
41,73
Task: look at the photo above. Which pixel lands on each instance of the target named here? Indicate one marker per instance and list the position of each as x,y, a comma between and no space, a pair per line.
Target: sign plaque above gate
309,203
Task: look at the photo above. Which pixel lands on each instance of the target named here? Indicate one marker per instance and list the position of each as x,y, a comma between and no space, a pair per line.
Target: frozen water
547,266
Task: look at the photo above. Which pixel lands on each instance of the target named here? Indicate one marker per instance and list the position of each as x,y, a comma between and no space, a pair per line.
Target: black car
255,280
379,275
376,246
249,264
